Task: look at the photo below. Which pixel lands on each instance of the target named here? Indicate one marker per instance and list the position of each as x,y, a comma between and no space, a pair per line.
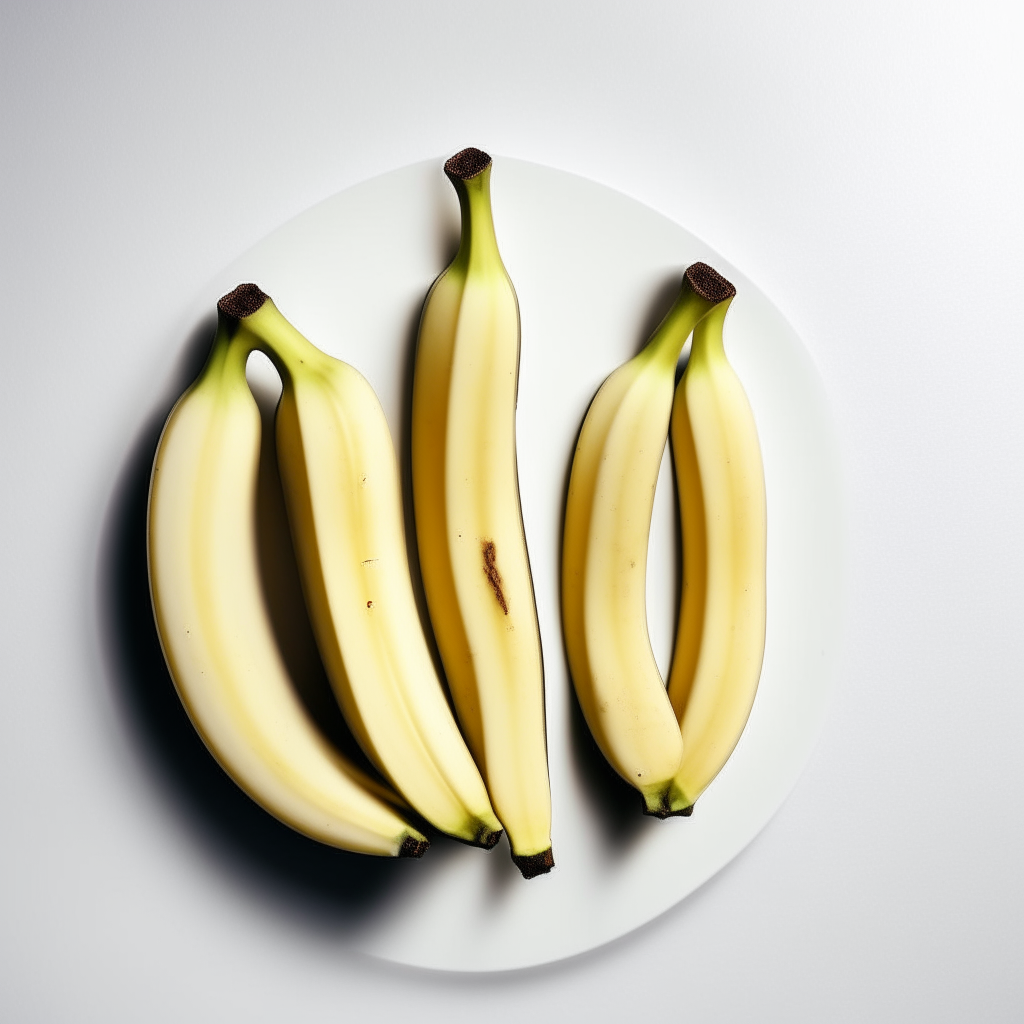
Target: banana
720,638
214,626
469,526
604,553
344,503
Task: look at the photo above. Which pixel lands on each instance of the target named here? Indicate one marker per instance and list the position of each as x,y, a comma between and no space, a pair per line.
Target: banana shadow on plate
329,888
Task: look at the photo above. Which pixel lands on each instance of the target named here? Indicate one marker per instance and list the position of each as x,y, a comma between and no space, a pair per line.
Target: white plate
594,272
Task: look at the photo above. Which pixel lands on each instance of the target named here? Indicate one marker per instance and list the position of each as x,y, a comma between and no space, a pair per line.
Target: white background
862,163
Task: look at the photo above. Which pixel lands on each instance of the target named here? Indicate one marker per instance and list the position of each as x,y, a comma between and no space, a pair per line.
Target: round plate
594,271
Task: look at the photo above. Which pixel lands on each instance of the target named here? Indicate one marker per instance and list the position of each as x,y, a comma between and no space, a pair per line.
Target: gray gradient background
862,163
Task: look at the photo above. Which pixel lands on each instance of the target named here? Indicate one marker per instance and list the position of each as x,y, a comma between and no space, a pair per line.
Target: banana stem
707,335
253,320
226,361
704,294
470,173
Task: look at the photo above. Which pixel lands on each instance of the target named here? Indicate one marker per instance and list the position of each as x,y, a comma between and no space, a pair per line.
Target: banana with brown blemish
469,526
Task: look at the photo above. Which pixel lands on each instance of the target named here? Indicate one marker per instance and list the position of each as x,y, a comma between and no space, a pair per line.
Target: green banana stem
703,293
254,322
707,335
470,173
226,361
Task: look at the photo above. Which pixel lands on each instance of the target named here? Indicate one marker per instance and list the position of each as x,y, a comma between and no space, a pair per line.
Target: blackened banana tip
535,863
242,302
489,840
708,283
413,847
466,164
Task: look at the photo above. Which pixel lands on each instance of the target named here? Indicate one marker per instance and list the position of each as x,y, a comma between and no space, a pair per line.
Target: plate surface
594,271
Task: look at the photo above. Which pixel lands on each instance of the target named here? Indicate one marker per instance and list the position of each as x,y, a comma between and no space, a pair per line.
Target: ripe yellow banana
720,638
604,553
213,622
469,527
343,495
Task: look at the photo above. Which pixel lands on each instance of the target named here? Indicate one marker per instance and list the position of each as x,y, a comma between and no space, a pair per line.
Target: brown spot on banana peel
492,574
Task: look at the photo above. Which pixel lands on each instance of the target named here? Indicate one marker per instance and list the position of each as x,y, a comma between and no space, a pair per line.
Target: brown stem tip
663,813
242,302
489,840
413,847
708,283
535,864
467,164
